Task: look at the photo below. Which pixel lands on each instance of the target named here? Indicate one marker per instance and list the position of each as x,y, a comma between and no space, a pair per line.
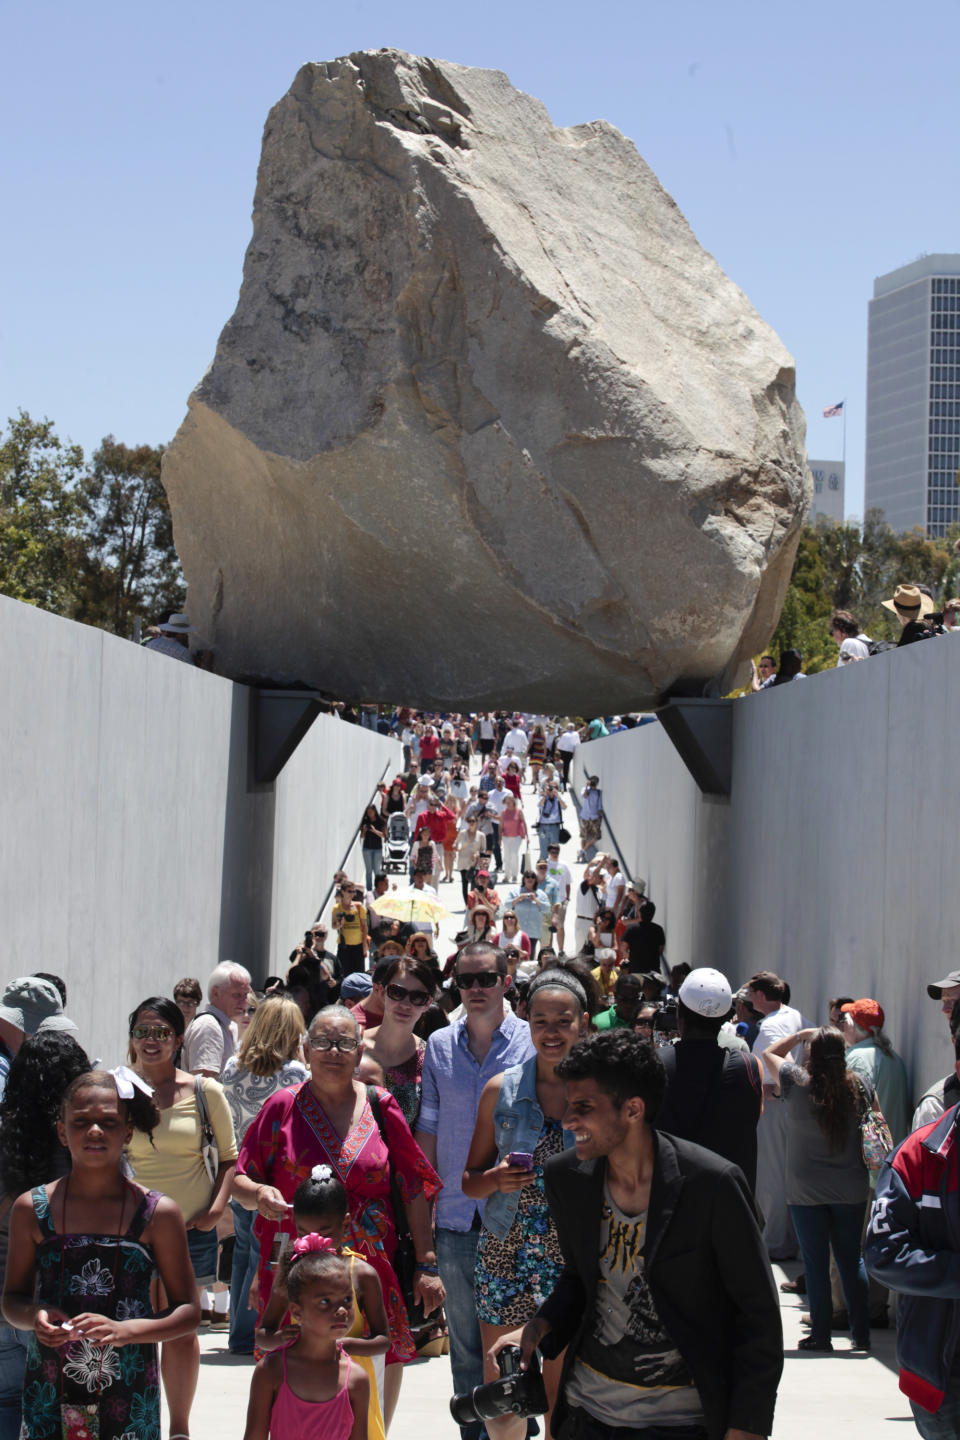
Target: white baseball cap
707,992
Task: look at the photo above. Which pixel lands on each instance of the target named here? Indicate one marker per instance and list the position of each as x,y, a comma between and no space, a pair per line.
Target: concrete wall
134,846
833,862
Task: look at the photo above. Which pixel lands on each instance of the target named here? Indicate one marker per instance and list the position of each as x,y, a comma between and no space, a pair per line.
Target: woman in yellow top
350,919
174,1164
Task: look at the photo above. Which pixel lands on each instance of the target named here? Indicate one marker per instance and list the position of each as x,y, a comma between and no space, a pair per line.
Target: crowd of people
534,1133
914,608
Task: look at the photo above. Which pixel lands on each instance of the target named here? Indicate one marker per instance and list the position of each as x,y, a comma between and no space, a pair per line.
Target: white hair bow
321,1172
126,1079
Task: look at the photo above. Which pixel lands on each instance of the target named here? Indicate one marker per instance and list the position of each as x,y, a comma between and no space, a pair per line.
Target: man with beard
666,1304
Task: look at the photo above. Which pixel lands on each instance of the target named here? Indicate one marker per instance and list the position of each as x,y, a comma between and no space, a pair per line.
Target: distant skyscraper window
913,395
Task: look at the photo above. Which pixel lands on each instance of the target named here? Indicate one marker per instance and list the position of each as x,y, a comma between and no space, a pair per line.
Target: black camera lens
515,1393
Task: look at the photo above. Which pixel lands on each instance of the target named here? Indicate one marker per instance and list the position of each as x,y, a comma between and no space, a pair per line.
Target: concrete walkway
822,1397
847,1396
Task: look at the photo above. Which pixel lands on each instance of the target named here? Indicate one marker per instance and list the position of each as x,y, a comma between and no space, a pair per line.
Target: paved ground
851,1397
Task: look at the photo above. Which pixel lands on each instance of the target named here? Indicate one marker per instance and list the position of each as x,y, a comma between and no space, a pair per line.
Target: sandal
432,1345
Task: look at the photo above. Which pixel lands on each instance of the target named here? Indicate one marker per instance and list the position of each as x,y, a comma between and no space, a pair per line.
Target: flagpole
844,457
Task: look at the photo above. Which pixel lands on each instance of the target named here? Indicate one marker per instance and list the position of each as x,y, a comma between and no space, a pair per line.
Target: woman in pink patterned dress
328,1120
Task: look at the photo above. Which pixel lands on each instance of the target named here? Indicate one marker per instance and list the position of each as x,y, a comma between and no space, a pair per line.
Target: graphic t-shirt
628,1372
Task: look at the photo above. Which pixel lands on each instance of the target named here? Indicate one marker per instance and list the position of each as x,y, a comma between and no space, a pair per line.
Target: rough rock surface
488,426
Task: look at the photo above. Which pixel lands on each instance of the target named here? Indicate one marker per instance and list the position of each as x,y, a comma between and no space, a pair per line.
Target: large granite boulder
487,426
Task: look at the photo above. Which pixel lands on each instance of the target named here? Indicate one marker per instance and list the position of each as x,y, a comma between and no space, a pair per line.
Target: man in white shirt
486,736
588,901
496,798
615,886
845,632
211,1038
515,741
567,742
766,993
560,875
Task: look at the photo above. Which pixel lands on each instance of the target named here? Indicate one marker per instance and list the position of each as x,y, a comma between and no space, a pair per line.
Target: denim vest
517,1123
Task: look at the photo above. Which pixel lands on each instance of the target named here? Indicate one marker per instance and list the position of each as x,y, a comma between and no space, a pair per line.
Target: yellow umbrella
409,905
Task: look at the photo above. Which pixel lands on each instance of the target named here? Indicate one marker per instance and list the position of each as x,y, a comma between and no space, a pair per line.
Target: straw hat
909,601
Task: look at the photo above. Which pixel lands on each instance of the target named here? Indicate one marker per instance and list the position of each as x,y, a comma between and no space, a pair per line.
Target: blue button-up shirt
450,1069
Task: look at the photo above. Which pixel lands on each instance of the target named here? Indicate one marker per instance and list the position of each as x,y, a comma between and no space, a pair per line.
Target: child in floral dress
90,1244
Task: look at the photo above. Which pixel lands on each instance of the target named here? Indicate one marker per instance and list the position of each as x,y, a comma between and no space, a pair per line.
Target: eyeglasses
486,979
343,1043
415,997
151,1032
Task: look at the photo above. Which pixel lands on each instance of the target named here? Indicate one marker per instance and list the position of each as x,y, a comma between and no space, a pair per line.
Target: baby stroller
396,855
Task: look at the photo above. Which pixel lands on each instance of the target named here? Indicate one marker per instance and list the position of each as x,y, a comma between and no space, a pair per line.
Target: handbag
405,1256
208,1141
876,1142
564,834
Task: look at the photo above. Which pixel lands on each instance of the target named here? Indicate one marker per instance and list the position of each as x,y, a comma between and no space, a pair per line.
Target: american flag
832,410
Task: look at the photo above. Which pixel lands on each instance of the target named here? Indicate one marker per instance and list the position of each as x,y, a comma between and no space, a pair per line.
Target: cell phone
522,1159
277,1249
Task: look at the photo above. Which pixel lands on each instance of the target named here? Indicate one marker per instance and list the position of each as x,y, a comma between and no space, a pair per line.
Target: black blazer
707,1269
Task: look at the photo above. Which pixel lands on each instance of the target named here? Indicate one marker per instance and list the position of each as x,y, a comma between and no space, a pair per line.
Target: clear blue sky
810,147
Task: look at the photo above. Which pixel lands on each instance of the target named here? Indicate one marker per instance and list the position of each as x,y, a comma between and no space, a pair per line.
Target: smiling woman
391,1052
174,1163
328,1120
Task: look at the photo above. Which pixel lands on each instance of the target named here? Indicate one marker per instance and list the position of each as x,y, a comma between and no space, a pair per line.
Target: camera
515,1393
666,1020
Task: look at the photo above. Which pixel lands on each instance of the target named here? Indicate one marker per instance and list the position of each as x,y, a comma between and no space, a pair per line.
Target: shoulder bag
405,1257
208,1140
876,1142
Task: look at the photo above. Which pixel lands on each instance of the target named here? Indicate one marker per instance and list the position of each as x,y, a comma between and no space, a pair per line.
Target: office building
828,483
913,395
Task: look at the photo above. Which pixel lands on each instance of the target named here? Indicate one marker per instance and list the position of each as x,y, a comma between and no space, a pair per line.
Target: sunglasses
486,979
416,997
343,1043
151,1032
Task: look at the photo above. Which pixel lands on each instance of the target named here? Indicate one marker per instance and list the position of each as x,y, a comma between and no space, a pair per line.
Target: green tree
807,606
855,568
131,567
40,514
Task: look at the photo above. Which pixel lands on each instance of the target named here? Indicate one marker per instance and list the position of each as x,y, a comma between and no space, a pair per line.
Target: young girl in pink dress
320,1212
311,1389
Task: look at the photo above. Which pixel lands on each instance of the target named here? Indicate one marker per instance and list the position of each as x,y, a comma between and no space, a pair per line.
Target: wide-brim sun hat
177,625
908,600
28,1002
